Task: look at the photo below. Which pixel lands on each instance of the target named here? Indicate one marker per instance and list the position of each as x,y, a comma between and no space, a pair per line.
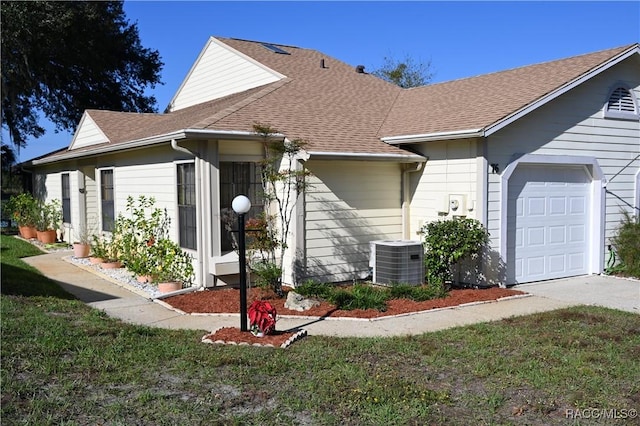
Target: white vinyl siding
88,133
450,173
573,125
348,205
220,71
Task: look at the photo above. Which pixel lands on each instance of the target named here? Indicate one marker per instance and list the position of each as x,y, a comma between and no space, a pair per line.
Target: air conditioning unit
397,262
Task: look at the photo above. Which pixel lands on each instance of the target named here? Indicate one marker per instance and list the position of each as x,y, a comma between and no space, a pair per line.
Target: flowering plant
171,262
262,317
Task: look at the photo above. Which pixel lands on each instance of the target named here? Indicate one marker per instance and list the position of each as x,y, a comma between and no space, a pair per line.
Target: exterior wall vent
397,262
621,104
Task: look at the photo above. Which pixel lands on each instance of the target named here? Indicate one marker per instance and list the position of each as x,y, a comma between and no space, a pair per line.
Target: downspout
200,247
406,201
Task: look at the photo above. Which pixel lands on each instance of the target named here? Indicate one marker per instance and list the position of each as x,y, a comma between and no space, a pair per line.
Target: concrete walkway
131,306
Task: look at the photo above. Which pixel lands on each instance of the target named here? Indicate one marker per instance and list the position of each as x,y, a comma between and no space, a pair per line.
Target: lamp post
241,205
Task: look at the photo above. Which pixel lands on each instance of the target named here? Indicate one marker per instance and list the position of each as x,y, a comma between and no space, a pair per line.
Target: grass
65,363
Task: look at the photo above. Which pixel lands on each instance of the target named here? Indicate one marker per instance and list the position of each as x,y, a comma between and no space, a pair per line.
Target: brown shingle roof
479,102
339,110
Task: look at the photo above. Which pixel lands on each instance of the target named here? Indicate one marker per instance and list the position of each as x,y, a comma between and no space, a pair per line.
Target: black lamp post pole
243,274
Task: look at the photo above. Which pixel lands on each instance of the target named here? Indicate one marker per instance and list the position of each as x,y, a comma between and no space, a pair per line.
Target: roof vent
322,63
360,69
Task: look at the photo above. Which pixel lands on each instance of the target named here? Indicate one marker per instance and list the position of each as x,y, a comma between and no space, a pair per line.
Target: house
546,156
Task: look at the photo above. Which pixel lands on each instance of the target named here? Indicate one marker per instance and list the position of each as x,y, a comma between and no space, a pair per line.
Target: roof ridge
622,49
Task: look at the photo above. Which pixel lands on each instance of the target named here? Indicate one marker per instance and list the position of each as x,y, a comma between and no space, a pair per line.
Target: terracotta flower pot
81,250
47,237
28,232
96,260
111,264
168,287
144,278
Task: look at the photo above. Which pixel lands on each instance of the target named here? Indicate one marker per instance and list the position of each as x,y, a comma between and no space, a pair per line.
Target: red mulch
227,300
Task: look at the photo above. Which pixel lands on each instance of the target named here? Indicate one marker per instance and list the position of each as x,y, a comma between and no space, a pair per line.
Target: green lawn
64,363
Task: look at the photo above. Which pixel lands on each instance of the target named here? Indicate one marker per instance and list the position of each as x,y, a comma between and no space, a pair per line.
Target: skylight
275,49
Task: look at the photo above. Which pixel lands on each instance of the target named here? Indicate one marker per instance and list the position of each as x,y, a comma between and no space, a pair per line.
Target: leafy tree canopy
62,57
405,72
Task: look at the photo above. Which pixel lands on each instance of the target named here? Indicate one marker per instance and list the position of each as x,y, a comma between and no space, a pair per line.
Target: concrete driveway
597,290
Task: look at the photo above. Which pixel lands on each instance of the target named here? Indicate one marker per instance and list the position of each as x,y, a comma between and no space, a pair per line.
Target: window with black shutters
187,205
66,199
106,199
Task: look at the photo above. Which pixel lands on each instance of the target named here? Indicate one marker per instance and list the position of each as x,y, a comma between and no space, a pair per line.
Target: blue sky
460,39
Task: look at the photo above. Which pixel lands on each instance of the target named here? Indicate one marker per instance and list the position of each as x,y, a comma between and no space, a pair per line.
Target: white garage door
548,222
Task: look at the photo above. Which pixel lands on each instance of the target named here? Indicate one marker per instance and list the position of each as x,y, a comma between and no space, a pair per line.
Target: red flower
263,316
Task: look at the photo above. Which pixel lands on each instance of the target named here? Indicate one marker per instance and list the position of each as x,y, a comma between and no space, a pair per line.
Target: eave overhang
184,134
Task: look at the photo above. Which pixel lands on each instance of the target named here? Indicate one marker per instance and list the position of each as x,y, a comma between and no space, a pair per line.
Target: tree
283,181
405,73
60,58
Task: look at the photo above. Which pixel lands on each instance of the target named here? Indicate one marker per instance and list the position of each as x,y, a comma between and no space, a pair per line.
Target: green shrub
312,288
626,242
268,274
360,297
447,242
417,293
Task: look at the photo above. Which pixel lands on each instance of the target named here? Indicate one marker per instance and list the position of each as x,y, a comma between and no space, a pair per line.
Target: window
240,179
66,199
621,104
187,205
106,198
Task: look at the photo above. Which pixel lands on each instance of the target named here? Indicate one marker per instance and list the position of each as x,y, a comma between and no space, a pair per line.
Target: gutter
406,200
153,140
428,137
404,158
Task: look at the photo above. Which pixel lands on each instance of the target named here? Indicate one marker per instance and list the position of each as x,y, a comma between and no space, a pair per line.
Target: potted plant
48,221
112,252
24,210
262,318
82,242
98,251
173,266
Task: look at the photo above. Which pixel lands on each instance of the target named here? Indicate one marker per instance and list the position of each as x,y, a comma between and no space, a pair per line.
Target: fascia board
402,158
141,143
560,91
429,137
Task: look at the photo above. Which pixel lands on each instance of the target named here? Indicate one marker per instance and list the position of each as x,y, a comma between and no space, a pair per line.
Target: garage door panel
547,220
557,234
536,206
577,205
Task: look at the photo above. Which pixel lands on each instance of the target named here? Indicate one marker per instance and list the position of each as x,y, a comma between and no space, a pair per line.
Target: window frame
111,221
255,194
187,236
65,184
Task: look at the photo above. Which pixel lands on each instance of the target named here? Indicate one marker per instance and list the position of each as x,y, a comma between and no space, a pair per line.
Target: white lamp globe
241,204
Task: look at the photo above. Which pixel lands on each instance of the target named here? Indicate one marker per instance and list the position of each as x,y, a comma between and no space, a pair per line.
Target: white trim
328,155
598,183
426,137
152,140
637,197
213,40
560,91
